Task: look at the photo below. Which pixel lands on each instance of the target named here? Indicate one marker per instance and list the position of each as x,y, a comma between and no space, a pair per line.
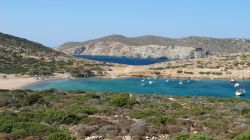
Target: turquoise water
216,88
122,60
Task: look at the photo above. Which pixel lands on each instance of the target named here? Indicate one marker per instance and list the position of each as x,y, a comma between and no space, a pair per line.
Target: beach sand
16,82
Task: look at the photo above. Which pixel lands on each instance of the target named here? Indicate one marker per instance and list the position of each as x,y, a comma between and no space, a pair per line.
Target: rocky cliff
156,47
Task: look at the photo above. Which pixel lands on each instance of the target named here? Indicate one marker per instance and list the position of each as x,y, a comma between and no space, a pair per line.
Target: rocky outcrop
156,47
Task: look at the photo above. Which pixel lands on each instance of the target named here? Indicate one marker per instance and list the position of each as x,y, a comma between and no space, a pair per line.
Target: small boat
150,82
142,80
236,84
240,92
233,81
167,81
180,82
155,77
149,78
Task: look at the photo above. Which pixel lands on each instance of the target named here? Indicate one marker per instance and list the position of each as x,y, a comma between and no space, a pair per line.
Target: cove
215,88
123,60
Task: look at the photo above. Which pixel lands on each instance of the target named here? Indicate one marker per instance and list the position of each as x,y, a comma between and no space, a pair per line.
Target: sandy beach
16,82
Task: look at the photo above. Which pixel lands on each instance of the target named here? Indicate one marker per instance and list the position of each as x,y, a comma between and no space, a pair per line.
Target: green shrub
162,119
180,136
59,136
90,110
186,72
69,119
243,136
175,105
216,73
207,73
186,136
32,99
53,116
200,136
216,124
179,71
143,113
122,101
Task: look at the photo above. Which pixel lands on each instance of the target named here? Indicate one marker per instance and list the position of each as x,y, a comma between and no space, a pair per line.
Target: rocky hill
156,47
18,55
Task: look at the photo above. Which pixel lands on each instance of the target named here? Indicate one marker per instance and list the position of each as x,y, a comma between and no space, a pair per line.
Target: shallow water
216,88
122,60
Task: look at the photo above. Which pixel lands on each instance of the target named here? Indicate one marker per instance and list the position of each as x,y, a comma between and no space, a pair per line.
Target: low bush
186,136
243,136
59,136
122,101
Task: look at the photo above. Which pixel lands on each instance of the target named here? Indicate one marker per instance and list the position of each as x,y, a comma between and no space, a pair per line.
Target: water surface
122,60
216,88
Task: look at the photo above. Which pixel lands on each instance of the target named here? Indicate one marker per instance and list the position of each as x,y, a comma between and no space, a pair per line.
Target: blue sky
53,22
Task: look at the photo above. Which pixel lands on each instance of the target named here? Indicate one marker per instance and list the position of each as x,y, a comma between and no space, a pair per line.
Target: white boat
150,82
236,84
240,92
142,80
232,81
180,82
167,81
149,78
155,77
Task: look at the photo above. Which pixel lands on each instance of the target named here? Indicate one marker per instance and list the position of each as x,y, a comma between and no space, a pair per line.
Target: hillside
21,56
156,47
53,115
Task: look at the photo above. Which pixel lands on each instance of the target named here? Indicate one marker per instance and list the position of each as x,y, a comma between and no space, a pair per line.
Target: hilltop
21,56
156,47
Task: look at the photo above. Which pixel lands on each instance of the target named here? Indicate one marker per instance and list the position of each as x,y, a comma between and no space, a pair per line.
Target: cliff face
156,47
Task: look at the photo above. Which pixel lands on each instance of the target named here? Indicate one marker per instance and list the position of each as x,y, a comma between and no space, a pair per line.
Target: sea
123,60
162,86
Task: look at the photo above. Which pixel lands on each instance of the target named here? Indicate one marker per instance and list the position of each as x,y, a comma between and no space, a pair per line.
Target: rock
94,138
83,131
138,130
5,137
148,51
174,129
109,130
137,138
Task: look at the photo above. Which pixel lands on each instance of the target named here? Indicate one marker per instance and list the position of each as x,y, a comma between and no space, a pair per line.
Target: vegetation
53,115
21,56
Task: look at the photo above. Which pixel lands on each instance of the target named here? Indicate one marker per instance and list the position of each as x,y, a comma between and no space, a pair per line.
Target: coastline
13,82
124,71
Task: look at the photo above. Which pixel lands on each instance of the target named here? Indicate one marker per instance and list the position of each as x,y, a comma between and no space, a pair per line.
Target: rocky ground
53,114
156,47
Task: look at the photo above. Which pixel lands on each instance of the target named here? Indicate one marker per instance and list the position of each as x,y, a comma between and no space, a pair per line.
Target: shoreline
17,82
14,83
118,72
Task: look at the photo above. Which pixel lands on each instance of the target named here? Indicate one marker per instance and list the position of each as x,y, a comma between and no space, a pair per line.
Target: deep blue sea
216,88
122,60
